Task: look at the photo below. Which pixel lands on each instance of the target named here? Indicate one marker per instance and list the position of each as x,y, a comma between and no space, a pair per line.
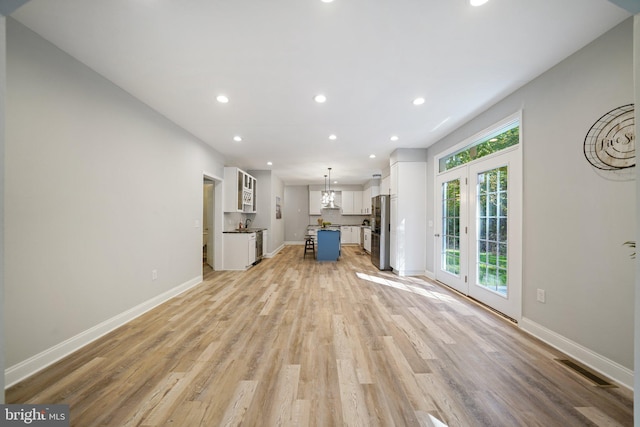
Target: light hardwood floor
296,342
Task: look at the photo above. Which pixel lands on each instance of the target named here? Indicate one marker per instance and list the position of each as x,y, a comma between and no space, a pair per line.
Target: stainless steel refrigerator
380,230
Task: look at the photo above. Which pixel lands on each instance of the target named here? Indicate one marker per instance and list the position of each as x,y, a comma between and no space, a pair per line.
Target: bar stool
309,245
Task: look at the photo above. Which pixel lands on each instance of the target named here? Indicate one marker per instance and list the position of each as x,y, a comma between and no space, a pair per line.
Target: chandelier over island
328,196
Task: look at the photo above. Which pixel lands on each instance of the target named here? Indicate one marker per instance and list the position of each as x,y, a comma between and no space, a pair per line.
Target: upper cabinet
393,180
239,191
315,202
367,194
351,202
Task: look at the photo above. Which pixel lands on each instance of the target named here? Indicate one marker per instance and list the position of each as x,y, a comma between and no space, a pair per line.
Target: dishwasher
258,246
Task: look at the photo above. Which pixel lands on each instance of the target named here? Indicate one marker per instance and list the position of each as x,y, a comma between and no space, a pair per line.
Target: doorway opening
208,248
212,223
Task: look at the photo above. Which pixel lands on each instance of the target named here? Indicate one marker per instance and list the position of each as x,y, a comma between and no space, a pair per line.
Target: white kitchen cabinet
408,213
347,203
366,201
349,235
367,194
251,249
239,250
351,202
366,244
239,191
357,203
355,234
385,186
393,180
315,202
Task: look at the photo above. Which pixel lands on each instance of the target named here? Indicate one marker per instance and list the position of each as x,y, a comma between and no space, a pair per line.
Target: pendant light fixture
325,194
328,196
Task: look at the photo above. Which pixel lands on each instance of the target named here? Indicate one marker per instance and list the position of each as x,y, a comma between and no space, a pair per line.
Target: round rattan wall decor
610,143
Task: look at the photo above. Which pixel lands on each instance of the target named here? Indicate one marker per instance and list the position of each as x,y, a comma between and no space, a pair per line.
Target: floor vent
597,380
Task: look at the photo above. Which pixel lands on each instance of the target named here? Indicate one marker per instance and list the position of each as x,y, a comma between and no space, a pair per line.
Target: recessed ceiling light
237,138
477,2
418,101
222,99
394,138
320,98
372,156
333,137
269,164
327,1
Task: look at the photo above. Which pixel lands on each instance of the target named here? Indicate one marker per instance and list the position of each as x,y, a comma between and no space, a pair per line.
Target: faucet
247,222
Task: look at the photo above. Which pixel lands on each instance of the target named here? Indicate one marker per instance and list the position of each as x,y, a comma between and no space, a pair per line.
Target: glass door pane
450,247
495,232
451,236
491,242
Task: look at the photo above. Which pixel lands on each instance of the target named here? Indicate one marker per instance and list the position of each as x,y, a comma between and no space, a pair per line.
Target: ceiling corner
632,6
7,7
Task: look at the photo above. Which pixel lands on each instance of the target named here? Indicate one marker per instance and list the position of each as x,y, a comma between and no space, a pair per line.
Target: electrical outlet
541,296
154,274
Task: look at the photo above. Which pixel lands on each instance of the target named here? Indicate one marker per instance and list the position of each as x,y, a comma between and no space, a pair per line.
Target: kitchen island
328,241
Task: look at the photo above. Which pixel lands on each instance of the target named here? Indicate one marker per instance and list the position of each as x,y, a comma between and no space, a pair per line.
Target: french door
479,231
452,219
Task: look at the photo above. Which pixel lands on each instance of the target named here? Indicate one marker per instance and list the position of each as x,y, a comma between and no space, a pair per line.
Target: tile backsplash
334,216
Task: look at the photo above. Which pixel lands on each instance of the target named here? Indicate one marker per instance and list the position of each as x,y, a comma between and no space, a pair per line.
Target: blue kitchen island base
328,245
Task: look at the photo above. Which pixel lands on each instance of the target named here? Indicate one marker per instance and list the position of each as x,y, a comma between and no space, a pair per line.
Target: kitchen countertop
337,225
244,230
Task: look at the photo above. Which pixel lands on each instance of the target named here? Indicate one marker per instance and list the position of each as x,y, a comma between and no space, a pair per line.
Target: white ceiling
371,58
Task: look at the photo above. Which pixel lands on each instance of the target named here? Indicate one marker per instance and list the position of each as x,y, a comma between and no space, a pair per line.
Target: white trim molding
275,252
595,361
34,364
409,273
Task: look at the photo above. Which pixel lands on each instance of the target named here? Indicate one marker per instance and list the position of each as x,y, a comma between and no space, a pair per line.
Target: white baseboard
408,273
275,252
595,361
32,365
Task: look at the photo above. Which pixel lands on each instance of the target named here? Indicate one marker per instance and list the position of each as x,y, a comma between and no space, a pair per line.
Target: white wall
269,186
100,191
3,82
296,212
636,74
575,220
276,237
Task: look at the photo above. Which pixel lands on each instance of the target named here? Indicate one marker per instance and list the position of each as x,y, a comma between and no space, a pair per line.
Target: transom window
504,137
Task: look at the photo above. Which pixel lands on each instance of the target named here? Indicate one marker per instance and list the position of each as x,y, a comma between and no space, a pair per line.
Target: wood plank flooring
295,342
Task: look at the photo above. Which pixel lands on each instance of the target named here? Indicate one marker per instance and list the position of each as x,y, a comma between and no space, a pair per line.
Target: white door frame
218,219
514,154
